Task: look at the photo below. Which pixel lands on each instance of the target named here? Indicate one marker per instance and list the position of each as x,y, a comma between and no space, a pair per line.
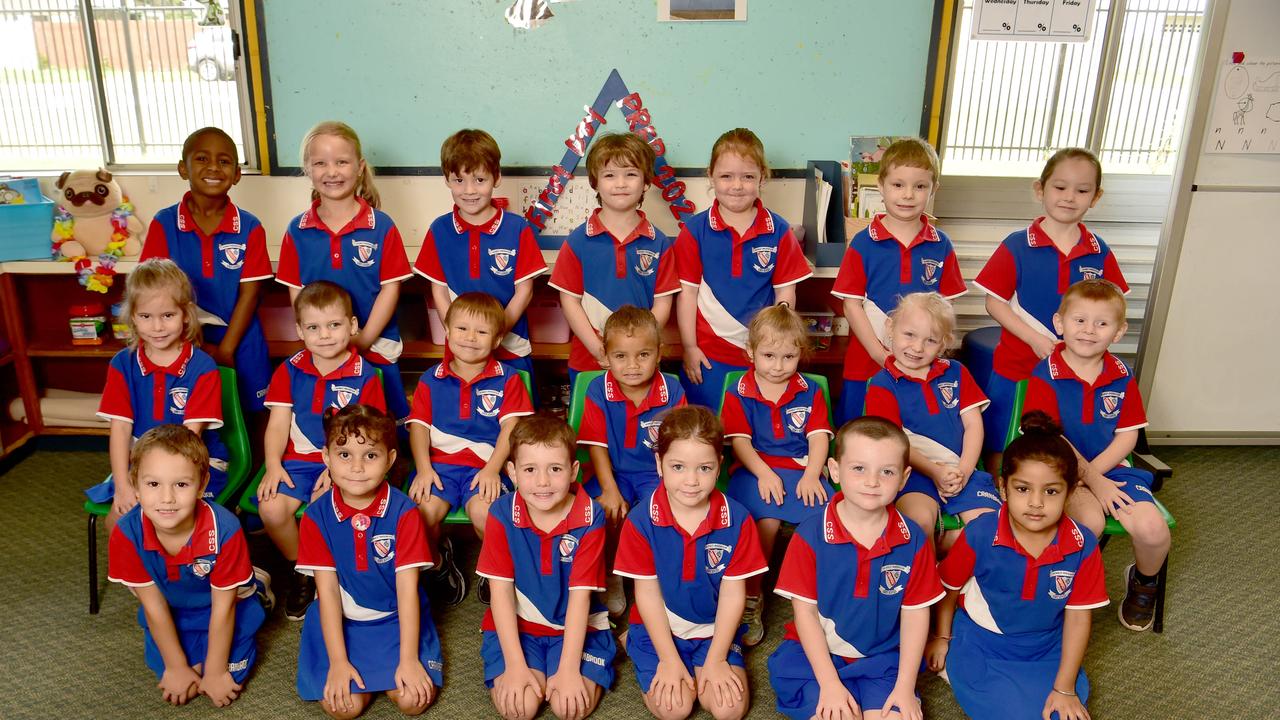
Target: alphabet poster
1245,115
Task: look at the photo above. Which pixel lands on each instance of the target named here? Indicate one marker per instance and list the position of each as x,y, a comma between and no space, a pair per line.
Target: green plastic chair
234,435
577,405
732,379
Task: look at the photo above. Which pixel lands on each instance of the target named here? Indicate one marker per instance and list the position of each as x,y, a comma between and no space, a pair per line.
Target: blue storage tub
25,228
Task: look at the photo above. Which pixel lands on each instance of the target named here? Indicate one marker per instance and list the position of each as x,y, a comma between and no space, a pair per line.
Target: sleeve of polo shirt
819,418
233,568
734,417
791,266
971,396
420,412
957,567
411,542
923,586
566,276
1111,271
515,399
634,558
668,281
748,557
798,578
593,430
999,277
257,265
287,272
395,263
529,262
204,404
124,565
851,279
951,285
881,402
1040,396
495,554
1089,587
313,552
156,245
115,403
588,571
428,263
374,394
279,391
688,260
1132,414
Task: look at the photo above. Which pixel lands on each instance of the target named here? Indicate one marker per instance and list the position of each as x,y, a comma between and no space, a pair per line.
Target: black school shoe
482,590
446,583
300,593
1138,611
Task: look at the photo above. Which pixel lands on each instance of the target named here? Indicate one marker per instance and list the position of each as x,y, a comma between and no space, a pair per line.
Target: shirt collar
365,218
377,508
203,540
642,229
834,532
1113,368
936,370
1068,540
581,513
353,367
490,226
763,224
493,368
659,393
928,233
749,387
230,222
177,368
1088,244
718,513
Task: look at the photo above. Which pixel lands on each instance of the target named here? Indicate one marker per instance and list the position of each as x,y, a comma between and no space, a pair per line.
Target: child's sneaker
299,596
482,590
447,582
1138,611
262,588
753,617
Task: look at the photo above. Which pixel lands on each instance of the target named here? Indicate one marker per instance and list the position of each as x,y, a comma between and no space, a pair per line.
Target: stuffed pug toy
94,221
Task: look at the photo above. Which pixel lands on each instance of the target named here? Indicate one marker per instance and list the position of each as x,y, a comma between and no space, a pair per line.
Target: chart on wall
1245,116
1033,20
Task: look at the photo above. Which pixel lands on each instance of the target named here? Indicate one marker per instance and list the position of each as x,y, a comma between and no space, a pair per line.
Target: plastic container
88,323
119,324
26,226
547,323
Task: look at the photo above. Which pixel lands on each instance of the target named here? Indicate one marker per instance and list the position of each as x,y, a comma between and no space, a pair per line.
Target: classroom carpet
57,660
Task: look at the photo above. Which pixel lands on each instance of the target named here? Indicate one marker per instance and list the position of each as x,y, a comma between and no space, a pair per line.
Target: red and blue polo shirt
735,275
1031,274
629,431
298,385
465,417
879,269
860,592
1005,590
644,268
689,568
779,431
1090,413
545,566
491,258
364,255
930,407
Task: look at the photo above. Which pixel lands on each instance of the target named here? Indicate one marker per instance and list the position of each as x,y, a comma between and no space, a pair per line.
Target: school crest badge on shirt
364,253
893,579
178,396
232,255
384,548
764,258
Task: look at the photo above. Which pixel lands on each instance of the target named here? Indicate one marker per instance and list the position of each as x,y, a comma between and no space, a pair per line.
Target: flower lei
100,278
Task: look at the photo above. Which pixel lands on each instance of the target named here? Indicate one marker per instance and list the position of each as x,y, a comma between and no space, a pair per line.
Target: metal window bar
1013,103
116,82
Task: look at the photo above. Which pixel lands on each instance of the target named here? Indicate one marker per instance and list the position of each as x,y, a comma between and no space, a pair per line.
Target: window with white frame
1123,94
116,82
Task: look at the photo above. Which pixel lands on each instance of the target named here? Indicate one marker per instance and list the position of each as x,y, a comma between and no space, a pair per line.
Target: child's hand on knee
772,491
935,653
835,703
669,682
489,483
337,686
904,699
510,688
568,695
124,498
1068,707
413,683
810,491
1108,492
271,480
179,684
220,688
719,679
694,361
323,483
420,488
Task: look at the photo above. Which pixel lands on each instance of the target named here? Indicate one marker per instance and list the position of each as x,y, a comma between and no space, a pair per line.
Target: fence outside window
1124,93
114,82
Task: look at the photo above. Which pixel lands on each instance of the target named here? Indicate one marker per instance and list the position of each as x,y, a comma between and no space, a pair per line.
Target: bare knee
407,704
922,510
682,710
359,702
278,511
478,511
1149,527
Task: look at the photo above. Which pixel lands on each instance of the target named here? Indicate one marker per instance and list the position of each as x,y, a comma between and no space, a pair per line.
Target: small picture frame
701,10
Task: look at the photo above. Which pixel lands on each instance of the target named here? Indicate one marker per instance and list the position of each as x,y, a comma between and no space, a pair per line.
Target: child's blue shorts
745,488
692,652
193,634
979,493
870,680
542,653
457,484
